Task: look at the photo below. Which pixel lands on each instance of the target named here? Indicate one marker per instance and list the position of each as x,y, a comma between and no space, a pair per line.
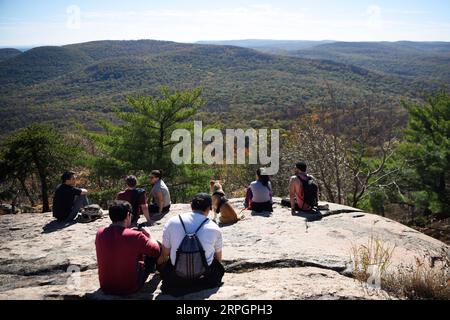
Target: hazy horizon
27,23
31,46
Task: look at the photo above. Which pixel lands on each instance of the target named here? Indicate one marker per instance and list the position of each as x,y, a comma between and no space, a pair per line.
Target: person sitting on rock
303,192
68,200
182,266
136,197
259,193
160,194
125,257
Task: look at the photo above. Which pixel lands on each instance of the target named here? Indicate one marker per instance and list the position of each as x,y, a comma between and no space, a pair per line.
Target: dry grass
428,278
374,254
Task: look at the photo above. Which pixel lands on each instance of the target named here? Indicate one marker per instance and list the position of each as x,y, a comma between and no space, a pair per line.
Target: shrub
428,278
375,253
102,197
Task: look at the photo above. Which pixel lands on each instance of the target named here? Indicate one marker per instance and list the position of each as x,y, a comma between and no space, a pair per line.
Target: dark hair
263,178
67,176
131,181
157,173
301,166
201,201
118,210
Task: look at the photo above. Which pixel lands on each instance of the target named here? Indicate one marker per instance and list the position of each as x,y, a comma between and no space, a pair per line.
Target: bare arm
165,253
84,192
293,188
159,201
144,208
218,256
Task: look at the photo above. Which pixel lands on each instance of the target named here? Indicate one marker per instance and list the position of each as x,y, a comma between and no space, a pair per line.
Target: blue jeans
78,203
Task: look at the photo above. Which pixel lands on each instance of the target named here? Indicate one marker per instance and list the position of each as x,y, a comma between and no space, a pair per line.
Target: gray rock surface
277,256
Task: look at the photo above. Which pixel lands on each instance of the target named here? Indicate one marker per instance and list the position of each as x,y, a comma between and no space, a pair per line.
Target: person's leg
134,219
168,277
78,203
214,275
153,208
145,271
150,262
286,202
257,207
268,206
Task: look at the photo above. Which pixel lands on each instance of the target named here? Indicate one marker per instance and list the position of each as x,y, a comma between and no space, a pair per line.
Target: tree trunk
160,144
27,193
336,170
44,186
44,190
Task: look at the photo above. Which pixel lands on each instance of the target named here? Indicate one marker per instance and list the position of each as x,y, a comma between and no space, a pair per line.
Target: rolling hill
39,64
84,82
429,61
8,53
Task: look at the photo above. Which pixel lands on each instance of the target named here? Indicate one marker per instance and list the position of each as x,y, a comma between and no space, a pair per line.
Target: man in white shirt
210,237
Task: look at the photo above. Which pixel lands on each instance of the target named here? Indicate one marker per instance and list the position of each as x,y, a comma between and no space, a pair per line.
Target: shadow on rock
158,216
188,294
145,293
229,224
265,214
56,225
309,216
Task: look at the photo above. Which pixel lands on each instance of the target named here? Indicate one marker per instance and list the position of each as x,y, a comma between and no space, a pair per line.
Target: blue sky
27,22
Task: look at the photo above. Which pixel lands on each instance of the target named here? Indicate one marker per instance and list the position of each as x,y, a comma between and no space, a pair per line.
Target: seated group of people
190,254
303,192
68,200
127,256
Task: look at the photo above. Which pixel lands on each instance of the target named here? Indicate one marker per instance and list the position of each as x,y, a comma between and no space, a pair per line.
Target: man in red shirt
136,197
125,257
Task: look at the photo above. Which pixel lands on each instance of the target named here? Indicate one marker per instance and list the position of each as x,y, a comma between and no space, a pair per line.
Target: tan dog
222,205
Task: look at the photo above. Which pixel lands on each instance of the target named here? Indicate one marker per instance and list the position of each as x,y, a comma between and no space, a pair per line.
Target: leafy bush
102,197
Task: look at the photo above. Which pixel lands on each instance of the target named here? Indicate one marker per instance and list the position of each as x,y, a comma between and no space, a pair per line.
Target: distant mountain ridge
272,46
85,81
430,60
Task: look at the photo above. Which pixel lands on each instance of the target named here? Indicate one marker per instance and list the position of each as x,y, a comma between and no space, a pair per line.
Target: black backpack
310,192
191,261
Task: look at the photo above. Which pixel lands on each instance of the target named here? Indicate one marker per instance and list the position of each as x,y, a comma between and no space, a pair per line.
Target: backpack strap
201,225
182,223
198,229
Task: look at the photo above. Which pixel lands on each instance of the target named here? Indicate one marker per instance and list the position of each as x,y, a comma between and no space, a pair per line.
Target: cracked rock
265,256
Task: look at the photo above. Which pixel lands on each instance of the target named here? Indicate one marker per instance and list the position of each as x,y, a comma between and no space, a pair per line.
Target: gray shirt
161,186
260,192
